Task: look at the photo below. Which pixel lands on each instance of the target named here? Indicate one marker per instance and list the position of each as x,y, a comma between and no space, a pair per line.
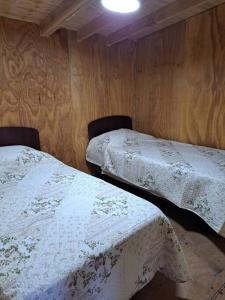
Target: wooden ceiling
88,17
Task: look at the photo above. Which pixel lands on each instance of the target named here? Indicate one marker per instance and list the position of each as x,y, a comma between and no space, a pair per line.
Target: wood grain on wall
172,83
57,85
102,83
35,85
180,81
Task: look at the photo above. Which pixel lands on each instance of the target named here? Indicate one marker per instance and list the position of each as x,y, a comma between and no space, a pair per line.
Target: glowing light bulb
121,6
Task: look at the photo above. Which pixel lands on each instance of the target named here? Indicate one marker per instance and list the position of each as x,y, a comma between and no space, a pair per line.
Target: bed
68,235
191,177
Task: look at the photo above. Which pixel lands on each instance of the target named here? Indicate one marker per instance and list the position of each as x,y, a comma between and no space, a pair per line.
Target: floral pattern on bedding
67,235
192,177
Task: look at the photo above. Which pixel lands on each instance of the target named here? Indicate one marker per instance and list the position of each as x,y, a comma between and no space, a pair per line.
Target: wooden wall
102,83
172,83
180,81
58,86
35,85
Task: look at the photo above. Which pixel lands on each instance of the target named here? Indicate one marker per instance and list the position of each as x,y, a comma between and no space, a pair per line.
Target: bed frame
106,124
11,136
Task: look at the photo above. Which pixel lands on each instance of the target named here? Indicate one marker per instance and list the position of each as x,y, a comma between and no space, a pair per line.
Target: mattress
67,235
192,177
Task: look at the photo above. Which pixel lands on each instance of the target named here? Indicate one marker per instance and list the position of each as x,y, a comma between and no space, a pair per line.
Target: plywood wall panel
58,85
120,62
88,90
180,81
172,83
9,106
100,78
35,84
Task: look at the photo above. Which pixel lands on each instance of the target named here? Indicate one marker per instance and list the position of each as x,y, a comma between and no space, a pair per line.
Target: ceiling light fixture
121,6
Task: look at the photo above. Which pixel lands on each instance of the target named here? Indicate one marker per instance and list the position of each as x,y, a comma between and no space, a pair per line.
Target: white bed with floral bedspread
192,177
67,235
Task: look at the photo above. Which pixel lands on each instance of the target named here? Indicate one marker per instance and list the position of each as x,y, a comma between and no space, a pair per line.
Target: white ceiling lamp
121,6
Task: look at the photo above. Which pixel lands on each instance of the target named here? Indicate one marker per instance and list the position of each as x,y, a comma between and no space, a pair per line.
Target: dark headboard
106,124
11,136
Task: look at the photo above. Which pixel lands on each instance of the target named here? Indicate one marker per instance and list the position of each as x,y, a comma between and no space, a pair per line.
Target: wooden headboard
107,124
11,136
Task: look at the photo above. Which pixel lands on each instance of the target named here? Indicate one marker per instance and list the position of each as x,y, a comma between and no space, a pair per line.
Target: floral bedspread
67,235
192,177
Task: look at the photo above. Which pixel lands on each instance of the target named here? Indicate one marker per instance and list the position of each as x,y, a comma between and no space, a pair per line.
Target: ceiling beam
110,18
93,27
101,22
158,17
61,14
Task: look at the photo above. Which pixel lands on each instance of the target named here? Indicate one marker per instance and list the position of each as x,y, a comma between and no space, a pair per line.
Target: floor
204,251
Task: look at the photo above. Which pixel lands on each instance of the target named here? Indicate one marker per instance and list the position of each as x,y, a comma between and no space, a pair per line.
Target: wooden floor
204,251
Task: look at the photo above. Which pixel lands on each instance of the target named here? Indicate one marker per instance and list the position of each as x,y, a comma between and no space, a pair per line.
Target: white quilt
192,177
67,235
